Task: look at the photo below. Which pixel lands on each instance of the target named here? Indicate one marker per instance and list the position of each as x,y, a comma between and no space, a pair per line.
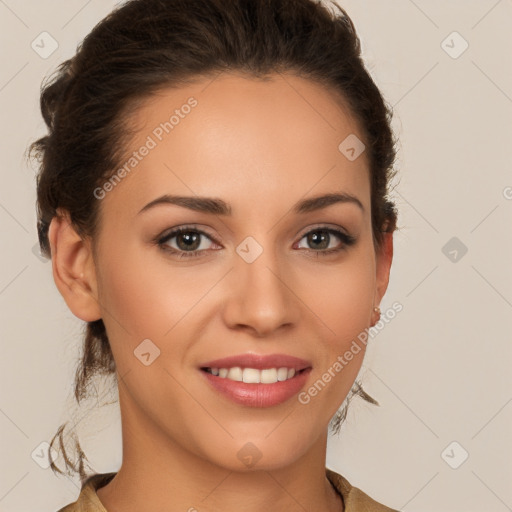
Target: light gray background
440,369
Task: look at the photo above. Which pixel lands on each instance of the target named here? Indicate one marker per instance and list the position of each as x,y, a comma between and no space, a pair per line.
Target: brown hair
146,45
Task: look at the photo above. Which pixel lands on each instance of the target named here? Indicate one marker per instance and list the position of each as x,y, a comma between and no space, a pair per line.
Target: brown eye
319,240
188,242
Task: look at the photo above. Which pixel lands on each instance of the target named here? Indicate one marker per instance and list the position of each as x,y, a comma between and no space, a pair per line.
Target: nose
260,297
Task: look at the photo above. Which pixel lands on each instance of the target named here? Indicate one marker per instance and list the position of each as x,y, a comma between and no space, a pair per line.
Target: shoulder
88,500
354,499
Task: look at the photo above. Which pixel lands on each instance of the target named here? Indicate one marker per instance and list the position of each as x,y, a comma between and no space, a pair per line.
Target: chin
257,453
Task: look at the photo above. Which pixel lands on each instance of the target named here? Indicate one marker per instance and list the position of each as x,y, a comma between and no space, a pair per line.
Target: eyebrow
219,207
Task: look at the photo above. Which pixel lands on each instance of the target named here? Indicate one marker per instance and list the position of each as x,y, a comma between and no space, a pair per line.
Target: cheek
145,298
342,296
341,299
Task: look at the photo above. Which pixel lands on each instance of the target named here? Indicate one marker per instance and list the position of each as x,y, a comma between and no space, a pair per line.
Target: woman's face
265,278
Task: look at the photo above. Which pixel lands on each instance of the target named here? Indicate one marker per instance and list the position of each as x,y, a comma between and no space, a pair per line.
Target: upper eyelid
325,226
172,232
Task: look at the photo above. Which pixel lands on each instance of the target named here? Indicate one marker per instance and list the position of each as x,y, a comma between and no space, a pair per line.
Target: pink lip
258,395
259,362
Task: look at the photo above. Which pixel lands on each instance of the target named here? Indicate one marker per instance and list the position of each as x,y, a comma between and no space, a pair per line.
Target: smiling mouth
254,375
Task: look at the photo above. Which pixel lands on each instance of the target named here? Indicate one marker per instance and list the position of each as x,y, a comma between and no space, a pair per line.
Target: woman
213,195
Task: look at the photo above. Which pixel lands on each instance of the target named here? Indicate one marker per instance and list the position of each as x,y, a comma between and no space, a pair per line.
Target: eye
188,241
321,238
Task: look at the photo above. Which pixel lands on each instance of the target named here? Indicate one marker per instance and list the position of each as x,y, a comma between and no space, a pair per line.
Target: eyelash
161,241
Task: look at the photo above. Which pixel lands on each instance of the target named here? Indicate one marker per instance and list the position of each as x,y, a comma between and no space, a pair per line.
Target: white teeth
282,374
268,376
253,375
234,373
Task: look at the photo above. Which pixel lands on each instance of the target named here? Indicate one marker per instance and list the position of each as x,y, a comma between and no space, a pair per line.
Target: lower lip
258,395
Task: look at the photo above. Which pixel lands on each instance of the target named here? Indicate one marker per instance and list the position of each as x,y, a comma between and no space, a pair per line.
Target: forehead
239,138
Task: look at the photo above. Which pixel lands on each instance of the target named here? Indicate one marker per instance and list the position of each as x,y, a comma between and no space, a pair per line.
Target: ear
73,268
384,258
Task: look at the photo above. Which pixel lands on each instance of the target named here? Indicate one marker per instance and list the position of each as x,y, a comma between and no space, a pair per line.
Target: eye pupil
190,238
322,238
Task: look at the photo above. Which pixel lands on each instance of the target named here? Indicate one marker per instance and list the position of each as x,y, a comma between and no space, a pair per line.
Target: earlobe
73,268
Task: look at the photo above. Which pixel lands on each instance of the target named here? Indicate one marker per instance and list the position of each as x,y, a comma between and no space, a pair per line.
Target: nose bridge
259,295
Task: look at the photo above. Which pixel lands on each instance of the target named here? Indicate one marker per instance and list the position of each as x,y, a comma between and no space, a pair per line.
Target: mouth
252,387
257,380
255,375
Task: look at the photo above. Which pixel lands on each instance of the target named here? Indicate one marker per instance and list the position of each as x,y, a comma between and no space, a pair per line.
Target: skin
261,146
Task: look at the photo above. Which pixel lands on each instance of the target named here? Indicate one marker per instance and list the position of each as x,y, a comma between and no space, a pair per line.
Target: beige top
354,499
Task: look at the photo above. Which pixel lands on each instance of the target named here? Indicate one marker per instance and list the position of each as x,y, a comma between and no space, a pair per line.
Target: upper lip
259,362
